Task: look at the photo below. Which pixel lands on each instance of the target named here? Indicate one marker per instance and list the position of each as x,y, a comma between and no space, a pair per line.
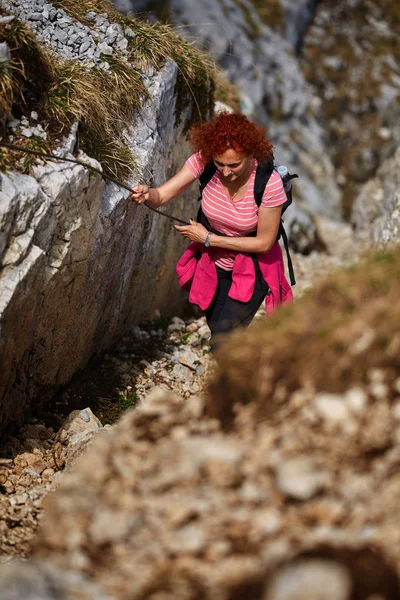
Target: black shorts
225,314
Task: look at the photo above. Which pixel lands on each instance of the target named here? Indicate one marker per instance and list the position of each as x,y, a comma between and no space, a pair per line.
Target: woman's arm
156,197
267,230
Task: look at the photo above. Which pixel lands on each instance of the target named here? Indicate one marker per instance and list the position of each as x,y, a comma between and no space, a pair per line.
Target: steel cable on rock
94,169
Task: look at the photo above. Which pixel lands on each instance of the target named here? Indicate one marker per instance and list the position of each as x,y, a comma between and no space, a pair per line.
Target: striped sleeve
274,194
195,164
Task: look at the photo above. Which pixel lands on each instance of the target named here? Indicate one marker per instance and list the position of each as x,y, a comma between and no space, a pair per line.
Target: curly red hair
230,130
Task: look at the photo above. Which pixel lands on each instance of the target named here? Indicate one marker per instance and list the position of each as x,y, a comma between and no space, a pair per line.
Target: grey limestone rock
376,210
36,581
78,257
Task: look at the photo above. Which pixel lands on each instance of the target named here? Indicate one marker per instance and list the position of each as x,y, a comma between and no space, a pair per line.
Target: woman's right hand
139,193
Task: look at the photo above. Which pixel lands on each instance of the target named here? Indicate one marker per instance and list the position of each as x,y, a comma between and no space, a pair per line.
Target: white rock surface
80,263
376,211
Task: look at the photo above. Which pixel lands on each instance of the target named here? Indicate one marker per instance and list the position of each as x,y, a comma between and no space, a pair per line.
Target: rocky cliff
79,263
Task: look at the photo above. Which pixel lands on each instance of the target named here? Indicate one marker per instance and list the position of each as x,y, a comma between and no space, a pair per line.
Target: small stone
311,579
176,324
122,44
31,473
204,332
331,407
20,499
84,415
83,47
379,390
61,36
105,49
7,19
189,359
298,478
34,115
268,521
356,399
189,539
78,422
129,32
181,373
48,474
26,133
37,16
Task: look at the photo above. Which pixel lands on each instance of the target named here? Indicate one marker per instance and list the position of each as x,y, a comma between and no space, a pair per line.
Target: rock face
376,210
79,263
351,57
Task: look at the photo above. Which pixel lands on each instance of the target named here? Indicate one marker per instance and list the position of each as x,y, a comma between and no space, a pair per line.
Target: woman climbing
234,260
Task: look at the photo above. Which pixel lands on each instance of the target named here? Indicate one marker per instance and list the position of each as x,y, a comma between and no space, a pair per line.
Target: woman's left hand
194,231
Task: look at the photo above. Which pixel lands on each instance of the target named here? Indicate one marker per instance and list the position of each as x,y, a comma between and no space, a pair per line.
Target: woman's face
231,164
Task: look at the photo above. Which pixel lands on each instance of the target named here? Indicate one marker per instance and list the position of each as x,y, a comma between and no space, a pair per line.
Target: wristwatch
207,242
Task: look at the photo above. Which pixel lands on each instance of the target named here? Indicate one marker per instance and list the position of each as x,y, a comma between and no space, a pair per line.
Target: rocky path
173,356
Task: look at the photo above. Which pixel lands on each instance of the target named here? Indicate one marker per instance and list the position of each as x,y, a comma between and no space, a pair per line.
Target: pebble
26,132
68,37
299,478
331,407
312,579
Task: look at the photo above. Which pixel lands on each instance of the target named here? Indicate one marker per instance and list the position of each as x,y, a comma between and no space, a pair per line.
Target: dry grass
157,42
152,45
226,92
329,341
104,103
270,12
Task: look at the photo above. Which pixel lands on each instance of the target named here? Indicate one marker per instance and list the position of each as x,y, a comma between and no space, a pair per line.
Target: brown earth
282,484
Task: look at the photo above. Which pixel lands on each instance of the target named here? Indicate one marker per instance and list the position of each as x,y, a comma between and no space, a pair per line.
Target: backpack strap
282,232
263,173
206,176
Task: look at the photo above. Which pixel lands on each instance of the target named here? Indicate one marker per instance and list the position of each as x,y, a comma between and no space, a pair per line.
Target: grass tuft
270,12
330,340
103,102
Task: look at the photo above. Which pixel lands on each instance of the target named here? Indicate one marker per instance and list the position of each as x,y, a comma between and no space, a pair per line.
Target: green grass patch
127,400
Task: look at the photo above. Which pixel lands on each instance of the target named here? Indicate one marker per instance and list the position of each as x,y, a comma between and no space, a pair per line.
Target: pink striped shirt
234,218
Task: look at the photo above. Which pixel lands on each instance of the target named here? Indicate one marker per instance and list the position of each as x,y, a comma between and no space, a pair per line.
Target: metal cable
94,169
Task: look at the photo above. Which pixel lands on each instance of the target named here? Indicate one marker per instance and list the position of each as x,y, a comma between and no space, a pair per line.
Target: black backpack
263,173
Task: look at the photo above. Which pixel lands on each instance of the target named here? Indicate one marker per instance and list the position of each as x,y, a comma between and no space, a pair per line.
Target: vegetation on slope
104,103
342,334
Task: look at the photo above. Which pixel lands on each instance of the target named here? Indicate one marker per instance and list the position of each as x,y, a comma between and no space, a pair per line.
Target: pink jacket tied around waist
197,274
